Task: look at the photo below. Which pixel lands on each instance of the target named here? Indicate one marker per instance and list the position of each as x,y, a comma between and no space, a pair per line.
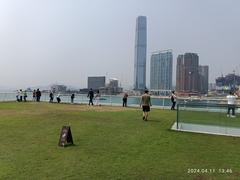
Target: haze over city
60,41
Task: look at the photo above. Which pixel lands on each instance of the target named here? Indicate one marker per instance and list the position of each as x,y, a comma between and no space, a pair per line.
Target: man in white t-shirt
231,99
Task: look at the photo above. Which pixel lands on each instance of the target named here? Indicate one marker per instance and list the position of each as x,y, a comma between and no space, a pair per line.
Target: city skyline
44,42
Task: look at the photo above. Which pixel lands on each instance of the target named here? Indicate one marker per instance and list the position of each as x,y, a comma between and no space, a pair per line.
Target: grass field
110,143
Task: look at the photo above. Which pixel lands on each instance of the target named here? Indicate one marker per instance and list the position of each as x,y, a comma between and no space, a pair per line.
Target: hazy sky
65,41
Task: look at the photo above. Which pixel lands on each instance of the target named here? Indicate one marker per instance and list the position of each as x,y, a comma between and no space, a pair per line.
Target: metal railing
114,100
163,102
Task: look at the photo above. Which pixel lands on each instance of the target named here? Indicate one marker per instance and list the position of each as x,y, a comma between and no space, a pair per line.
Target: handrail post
163,102
177,114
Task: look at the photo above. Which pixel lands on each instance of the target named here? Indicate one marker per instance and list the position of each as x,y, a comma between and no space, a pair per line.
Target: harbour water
82,98
157,101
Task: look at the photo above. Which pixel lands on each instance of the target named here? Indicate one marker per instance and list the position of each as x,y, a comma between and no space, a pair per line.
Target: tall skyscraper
161,70
203,78
187,76
140,53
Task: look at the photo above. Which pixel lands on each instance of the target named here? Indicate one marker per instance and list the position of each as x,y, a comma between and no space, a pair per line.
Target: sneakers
232,116
144,118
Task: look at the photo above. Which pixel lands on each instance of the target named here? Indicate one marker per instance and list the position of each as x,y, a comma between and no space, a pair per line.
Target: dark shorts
146,108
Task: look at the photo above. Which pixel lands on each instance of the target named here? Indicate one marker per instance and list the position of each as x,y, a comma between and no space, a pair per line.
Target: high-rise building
161,70
140,53
111,88
187,76
113,82
230,82
96,82
203,79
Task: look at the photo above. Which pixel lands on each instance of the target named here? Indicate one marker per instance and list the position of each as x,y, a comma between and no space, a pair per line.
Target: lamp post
189,81
234,81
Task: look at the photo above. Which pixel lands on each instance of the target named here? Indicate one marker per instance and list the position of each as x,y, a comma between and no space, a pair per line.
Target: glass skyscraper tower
161,70
140,53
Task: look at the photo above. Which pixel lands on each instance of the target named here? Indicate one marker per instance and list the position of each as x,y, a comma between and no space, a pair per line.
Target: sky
64,41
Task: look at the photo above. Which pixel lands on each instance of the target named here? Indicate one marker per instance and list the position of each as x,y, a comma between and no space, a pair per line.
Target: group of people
37,95
145,101
21,95
51,97
97,96
58,97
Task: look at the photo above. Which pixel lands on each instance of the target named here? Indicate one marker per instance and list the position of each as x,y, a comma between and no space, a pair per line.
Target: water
116,99
82,98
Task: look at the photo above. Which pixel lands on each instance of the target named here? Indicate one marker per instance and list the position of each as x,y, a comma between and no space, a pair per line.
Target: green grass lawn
110,143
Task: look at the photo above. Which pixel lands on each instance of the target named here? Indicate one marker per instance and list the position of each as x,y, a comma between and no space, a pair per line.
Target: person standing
97,97
72,98
231,100
18,95
145,103
174,100
58,98
90,95
25,96
51,97
38,95
125,96
34,95
21,95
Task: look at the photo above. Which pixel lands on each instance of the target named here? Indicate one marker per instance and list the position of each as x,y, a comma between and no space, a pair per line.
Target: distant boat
102,98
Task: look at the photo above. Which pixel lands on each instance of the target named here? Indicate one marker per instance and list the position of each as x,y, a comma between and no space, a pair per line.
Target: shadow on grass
154,121
69,146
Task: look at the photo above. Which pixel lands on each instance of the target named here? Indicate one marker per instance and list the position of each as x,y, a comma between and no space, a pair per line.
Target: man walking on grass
145,103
